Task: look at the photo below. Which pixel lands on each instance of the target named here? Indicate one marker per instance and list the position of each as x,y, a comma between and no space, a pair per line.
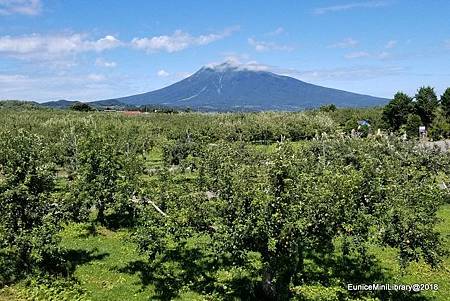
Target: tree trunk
101,213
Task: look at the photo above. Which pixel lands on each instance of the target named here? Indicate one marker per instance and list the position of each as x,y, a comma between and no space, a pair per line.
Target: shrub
28,215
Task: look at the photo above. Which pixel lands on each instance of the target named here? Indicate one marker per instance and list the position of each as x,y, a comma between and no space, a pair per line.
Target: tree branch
154,206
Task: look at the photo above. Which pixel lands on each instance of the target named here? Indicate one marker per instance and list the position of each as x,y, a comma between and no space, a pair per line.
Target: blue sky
89,50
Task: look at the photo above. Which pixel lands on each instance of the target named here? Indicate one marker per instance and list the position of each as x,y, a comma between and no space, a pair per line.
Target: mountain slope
58,104
232,88
66,104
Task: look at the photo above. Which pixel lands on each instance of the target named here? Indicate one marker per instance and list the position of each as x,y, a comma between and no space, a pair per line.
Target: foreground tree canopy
254,225
268,206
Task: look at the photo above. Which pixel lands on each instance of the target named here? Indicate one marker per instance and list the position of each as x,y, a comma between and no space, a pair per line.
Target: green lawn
106,253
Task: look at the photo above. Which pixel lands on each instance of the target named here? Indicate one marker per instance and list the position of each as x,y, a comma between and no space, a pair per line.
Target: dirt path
444,145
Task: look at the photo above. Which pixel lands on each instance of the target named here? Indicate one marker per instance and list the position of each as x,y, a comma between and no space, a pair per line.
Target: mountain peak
231,86
232,65
222,67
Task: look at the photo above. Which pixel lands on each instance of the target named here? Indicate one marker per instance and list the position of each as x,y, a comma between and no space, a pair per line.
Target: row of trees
408,113
44,186
267,226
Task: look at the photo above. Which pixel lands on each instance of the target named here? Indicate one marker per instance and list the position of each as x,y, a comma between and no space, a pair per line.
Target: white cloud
343,74
173,77
355,73
382,55
391,44
61,47
346,43
235,57
349,6
102,63
261,46
357,55
53,46
11,78
96,77
84,87
22,7
178,41
236,62
108,42
162,73
183,75
276,32
256,66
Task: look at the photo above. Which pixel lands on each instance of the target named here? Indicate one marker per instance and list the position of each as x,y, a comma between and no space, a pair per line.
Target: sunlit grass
420,272
111,251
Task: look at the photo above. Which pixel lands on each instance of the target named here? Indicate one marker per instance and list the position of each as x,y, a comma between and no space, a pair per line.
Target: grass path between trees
103,255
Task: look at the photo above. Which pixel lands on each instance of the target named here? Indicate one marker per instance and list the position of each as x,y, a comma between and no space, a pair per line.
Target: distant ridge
229,87
65,104
59,104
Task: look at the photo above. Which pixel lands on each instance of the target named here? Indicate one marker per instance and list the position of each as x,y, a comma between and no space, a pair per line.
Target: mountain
59,104
227,87
66,104
18,104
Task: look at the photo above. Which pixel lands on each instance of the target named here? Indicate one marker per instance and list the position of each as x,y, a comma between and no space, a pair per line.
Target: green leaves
426,103
107,178
289,206
28,215
395,113
407,114
232,213
445,102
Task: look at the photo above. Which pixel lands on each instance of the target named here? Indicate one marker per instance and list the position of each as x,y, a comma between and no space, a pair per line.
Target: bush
328,108
81,107
28,215
318,293
174,152
51,289
106,179
440,128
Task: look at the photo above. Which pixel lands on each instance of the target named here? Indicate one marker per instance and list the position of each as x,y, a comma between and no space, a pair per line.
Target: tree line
405,113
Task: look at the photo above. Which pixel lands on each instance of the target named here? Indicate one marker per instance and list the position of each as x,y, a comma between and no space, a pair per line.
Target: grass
109,251
154,158
420,272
